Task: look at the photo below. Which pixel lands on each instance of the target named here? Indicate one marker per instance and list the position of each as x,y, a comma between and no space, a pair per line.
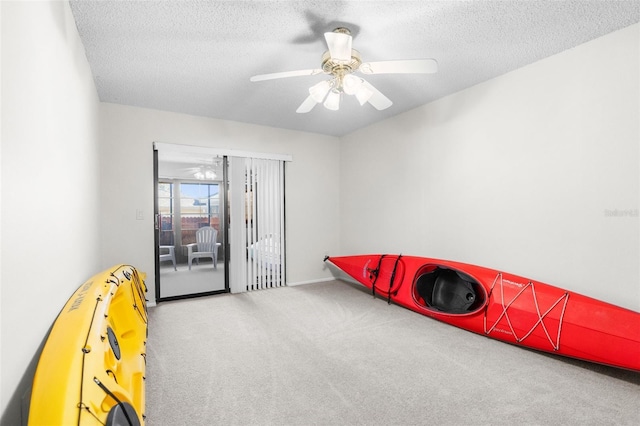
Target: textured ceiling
196,57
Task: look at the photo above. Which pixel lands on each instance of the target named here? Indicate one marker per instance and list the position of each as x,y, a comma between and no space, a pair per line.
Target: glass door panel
189,263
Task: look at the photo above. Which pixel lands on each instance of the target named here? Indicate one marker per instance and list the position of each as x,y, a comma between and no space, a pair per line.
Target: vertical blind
257,224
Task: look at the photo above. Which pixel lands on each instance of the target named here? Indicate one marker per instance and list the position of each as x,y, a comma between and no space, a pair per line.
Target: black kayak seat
447,291
122,414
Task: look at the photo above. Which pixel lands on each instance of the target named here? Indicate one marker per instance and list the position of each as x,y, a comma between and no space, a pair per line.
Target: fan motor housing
331,66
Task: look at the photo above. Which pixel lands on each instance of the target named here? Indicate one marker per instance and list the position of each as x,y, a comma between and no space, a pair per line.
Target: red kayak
503,306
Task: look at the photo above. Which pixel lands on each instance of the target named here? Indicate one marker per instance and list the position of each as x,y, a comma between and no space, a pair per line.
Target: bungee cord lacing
505,314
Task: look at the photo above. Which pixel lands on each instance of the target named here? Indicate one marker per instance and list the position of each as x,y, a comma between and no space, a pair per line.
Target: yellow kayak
91,370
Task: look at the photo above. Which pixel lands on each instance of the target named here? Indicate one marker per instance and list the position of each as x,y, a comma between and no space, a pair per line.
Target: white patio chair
205,246
171,255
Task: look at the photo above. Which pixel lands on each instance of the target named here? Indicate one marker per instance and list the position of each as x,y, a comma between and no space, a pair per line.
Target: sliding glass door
220,222
191,232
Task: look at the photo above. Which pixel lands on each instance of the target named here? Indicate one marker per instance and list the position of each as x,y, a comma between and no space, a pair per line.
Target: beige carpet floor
330,354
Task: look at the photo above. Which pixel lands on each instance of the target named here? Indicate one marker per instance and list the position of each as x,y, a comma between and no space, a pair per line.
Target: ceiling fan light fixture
339,43
319,91
363,94
351,84
333,100
339,63
205,173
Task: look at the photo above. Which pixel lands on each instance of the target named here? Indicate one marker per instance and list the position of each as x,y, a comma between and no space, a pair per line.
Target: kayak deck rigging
540,321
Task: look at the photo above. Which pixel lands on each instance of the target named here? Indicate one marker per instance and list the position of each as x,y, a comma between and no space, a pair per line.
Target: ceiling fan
341,62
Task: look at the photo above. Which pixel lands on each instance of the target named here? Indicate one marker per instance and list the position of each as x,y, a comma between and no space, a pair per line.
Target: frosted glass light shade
351,84
319,91
205,173
339,45
333,100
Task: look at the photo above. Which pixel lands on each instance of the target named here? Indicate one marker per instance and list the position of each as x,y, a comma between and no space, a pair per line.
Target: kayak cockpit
447,290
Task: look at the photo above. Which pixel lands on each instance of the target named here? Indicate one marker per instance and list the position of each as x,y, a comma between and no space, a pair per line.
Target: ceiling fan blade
377,99
407,66
339,45
307,105
285,74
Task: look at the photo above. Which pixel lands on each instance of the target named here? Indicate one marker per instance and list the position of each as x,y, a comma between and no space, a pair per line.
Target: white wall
50,201
519,173
127,136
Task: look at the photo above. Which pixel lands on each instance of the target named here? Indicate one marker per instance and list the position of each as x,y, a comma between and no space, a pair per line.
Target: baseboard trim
320,280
